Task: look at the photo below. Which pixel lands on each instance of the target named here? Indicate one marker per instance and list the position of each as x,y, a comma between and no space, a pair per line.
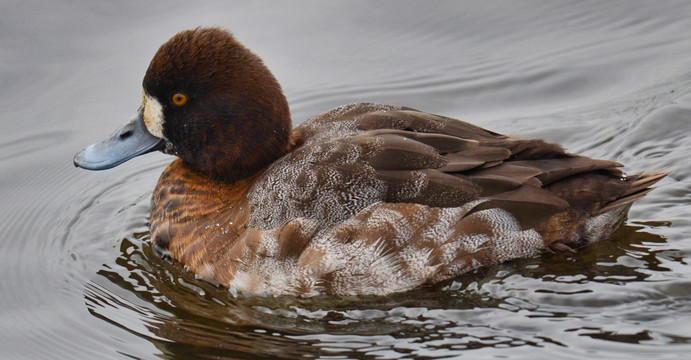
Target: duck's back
375,199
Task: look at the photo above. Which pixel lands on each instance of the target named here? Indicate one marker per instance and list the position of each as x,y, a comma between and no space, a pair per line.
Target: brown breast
197,219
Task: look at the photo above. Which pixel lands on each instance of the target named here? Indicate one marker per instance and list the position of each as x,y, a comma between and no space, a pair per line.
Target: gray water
612,80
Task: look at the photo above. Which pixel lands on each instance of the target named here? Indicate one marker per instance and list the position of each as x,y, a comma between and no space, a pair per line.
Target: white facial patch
153,116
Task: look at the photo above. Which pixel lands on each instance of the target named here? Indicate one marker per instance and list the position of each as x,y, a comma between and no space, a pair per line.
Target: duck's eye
179,99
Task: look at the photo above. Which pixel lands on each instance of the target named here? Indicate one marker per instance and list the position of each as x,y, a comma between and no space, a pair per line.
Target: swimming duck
361,199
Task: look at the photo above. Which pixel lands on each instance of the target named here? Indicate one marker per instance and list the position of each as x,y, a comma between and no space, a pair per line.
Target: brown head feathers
233,102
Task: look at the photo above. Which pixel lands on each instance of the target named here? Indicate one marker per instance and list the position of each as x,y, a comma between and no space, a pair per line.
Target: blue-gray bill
127,142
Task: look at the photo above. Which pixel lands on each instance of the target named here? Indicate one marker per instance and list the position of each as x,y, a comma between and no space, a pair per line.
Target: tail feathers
640,186
645,180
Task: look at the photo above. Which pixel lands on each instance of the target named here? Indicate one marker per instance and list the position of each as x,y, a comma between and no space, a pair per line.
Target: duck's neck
243,145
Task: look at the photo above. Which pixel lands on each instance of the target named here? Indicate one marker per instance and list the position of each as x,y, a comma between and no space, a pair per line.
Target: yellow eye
179,99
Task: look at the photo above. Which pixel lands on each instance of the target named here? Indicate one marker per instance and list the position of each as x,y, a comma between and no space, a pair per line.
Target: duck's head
208,100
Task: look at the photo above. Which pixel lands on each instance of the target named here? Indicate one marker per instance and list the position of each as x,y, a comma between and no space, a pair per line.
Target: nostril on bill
125,134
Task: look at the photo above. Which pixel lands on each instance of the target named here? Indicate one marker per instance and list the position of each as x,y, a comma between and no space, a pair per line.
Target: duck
363,199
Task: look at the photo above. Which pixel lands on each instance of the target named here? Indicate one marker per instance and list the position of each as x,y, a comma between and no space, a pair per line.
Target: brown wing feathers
427,187
438,161
398,152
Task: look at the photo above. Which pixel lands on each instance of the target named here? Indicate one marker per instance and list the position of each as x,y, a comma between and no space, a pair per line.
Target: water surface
609,80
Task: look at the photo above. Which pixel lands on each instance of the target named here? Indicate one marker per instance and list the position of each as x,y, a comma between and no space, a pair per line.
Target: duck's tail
611,200
639,185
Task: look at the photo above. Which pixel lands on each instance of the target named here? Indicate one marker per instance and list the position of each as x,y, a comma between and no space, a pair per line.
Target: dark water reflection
608,79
